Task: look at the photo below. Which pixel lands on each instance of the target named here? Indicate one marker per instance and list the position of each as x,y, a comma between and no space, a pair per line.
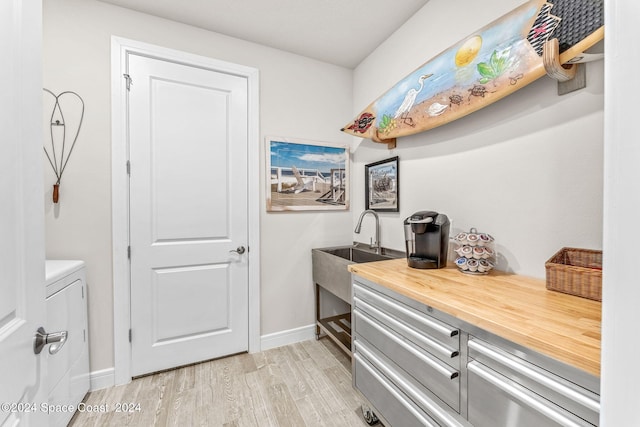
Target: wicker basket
576,272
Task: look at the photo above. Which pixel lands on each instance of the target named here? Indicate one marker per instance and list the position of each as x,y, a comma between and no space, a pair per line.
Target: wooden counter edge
588,359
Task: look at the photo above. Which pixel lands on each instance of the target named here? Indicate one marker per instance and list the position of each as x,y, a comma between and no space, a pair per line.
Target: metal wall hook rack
59,141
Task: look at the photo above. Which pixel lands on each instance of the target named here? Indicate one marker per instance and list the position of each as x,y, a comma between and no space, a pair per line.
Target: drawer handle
418,317
496,354
416,395
517,392
450,374
447,352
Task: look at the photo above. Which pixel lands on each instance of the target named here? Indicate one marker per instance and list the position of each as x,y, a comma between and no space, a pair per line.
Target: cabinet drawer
432,373
396,408
575,399
447,354
495,400
395,394
445,334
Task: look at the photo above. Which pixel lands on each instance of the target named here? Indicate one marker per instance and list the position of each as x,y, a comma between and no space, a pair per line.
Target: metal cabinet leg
317,311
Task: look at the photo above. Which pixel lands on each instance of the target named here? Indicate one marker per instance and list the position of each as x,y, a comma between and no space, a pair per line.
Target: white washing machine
68,369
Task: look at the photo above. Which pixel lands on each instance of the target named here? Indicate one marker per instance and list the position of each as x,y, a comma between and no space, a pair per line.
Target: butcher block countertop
517,308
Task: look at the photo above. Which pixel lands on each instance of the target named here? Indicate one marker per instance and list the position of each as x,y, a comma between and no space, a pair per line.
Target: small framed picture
382,185
305,175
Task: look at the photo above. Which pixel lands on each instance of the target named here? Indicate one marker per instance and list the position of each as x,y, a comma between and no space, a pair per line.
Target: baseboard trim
290,336
104,378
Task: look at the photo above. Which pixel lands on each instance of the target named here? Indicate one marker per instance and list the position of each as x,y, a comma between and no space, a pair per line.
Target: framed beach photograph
305,175
382,185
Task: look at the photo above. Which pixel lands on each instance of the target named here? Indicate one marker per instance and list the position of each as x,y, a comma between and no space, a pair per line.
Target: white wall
299,97
527,169
620,315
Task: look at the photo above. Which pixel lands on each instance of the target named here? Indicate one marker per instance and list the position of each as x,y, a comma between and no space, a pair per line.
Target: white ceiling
341,32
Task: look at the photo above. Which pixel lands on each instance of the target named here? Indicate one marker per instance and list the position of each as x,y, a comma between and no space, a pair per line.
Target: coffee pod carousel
476,253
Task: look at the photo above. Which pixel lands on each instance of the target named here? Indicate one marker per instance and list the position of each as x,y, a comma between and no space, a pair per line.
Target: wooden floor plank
285,409
259,401
341,382
320,355
327,399
292,375
247,362
302,384
337,352
309,412
297,351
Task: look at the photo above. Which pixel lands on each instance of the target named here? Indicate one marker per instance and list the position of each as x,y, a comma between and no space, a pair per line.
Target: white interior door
188,213
22,285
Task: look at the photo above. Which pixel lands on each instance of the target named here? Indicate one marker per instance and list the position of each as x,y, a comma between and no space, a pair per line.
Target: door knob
56,339
239,250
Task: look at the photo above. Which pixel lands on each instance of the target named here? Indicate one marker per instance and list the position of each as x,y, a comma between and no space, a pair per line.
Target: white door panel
22,284
208,314
188,210
181,111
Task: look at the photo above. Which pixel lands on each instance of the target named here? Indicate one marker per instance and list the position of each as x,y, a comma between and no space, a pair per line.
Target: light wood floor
303,384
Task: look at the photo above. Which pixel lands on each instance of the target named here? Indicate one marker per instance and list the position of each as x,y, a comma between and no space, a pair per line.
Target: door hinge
127,77
84,335
128,252
82,288
128,167
129,335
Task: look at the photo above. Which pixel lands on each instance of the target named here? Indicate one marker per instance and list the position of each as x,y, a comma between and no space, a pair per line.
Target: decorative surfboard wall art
537,38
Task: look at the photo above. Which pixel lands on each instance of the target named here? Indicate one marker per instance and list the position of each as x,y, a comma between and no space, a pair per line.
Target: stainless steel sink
330,265
330,272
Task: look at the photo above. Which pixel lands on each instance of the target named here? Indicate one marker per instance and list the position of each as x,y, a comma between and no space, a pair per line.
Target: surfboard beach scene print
306,175
486,66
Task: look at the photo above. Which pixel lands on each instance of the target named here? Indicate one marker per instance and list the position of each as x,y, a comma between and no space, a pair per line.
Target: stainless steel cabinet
419,366
405,362
505,390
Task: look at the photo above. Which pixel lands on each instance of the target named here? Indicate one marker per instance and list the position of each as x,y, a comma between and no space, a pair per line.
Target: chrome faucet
375,245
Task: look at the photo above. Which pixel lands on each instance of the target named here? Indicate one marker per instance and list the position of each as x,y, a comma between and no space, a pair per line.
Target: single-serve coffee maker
426,236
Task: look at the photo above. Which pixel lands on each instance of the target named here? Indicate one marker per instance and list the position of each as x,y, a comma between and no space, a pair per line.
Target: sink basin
358,255
330,265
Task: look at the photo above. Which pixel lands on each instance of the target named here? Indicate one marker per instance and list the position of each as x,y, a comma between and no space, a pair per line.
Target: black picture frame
382,185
